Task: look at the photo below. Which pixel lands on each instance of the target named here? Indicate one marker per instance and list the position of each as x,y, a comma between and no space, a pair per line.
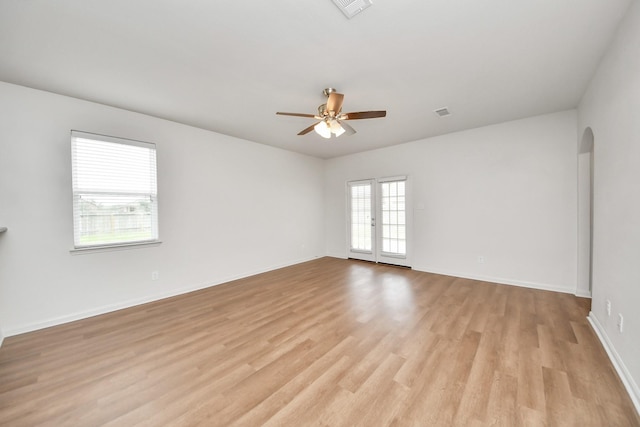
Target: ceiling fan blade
307,130
334,103
313,116
363,115
348,130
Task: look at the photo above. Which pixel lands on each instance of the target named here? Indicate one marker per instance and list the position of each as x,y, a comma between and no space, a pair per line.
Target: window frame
77,192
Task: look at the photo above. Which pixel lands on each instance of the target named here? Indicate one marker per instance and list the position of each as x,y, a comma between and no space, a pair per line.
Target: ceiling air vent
352,7
442,112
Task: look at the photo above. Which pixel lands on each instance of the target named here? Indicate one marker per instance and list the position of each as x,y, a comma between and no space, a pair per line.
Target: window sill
110,248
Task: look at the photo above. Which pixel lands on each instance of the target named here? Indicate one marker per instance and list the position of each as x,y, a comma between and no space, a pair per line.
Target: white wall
611,107
505,192
228,208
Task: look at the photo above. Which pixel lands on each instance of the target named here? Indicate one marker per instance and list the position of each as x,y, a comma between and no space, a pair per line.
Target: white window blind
114,191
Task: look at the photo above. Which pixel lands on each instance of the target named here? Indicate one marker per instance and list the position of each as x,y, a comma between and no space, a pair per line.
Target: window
114,191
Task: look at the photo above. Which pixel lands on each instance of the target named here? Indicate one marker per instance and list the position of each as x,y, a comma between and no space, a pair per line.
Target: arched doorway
585,213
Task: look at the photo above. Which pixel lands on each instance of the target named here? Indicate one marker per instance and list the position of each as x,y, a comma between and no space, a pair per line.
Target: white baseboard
21,329
338,255
492,279
500,280
618,364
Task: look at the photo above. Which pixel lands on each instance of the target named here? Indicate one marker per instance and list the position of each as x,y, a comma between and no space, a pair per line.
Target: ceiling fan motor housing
328,91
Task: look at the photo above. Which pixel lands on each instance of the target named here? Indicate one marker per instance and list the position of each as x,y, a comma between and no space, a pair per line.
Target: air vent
442,112
352,7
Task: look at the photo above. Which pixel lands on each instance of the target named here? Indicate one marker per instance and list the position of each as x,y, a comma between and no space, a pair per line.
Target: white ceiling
228,66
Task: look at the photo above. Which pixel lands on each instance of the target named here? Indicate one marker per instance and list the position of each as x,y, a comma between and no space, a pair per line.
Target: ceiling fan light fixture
323,129
336,128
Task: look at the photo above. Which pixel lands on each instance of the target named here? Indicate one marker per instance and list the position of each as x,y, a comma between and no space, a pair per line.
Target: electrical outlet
608,308
620,322
155,275
480,259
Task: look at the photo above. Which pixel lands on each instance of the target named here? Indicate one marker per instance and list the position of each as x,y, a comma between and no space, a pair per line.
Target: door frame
376,254
360,254
389,258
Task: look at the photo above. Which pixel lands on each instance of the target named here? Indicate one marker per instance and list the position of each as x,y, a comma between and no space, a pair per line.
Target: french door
378,220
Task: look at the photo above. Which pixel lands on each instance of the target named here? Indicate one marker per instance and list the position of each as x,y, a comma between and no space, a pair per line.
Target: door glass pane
401,218
361,217
393,218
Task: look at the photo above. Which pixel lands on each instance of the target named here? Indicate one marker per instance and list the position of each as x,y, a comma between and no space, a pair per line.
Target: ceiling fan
332,119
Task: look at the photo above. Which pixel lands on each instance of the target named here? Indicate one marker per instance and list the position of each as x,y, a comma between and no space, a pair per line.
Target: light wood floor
329,343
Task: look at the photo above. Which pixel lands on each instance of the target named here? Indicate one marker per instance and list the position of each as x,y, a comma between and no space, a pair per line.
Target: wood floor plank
329,342
306,389
502,405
